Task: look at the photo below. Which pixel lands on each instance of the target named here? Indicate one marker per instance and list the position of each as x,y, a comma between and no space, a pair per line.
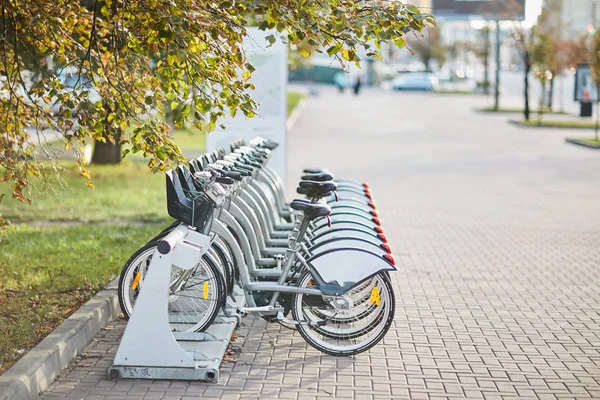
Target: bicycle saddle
311,211
318,187
319,177
316,171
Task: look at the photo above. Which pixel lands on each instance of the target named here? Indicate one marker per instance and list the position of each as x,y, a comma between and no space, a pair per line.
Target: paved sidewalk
496,230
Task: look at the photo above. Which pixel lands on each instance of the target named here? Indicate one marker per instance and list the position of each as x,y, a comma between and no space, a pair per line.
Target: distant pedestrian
356,85
339,80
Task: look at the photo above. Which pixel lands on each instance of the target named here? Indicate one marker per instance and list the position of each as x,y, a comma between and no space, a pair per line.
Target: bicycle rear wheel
353,330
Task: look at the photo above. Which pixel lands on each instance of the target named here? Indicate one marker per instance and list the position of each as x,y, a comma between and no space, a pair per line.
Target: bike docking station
148,348
319,265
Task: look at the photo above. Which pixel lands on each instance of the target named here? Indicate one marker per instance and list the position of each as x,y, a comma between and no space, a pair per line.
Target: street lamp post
497,86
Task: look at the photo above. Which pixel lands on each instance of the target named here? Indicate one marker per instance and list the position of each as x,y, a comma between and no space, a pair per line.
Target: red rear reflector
390,259
378,229
377,221
386,247
374,213
372,205
382,237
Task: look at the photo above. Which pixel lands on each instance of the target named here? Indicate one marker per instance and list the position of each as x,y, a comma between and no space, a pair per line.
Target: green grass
293,99
574,124
123,193
46,273
517,110
190,139
590,140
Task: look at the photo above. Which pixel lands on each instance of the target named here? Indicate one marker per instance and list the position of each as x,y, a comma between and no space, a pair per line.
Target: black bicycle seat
318,187
311,211
319,177
316,171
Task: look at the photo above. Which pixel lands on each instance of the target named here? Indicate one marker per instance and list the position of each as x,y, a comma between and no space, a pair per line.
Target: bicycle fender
339,270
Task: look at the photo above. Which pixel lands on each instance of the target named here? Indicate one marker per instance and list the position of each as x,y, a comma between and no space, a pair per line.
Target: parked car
73,81
423,82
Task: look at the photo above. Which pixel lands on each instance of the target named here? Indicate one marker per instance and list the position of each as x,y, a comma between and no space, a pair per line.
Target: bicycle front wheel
195,295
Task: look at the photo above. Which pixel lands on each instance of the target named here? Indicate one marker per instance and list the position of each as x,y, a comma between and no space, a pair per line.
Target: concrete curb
33,373
291,121
521,125
583,143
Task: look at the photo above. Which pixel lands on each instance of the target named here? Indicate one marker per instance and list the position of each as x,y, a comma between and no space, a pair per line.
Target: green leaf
400,42
304,52
271,39
332,50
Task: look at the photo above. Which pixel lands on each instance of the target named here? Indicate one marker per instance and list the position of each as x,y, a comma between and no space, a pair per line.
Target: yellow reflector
136,280
205,291
309,283
375,296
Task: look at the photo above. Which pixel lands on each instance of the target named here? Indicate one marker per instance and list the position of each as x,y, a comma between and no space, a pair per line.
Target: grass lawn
517,110
128,192
293,98
566,124
591,140
190,139
47,273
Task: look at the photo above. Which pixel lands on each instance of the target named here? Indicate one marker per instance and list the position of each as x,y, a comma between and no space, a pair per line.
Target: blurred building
424,5
572,17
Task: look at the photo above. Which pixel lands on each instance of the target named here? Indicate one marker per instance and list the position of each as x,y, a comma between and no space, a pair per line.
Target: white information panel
270,81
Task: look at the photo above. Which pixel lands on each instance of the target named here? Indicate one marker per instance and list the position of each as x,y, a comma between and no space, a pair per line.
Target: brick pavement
497,232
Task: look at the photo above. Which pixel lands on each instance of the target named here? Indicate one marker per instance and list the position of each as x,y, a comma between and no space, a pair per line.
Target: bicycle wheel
363,307
195,295
348,330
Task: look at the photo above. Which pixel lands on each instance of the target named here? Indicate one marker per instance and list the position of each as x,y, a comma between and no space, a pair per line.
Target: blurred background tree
595,69
543,60
428,47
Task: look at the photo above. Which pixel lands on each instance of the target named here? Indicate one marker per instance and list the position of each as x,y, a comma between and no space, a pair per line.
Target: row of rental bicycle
319,264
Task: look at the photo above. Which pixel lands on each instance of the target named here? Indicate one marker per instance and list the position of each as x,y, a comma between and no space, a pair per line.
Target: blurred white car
72,81
423,82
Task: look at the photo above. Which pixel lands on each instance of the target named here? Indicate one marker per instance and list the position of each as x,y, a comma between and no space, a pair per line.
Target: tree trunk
427,63
542,103
497,88
551,92
526,86
107,153
597,115
486,63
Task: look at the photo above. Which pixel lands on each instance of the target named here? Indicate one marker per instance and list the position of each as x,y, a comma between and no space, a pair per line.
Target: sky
532,10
